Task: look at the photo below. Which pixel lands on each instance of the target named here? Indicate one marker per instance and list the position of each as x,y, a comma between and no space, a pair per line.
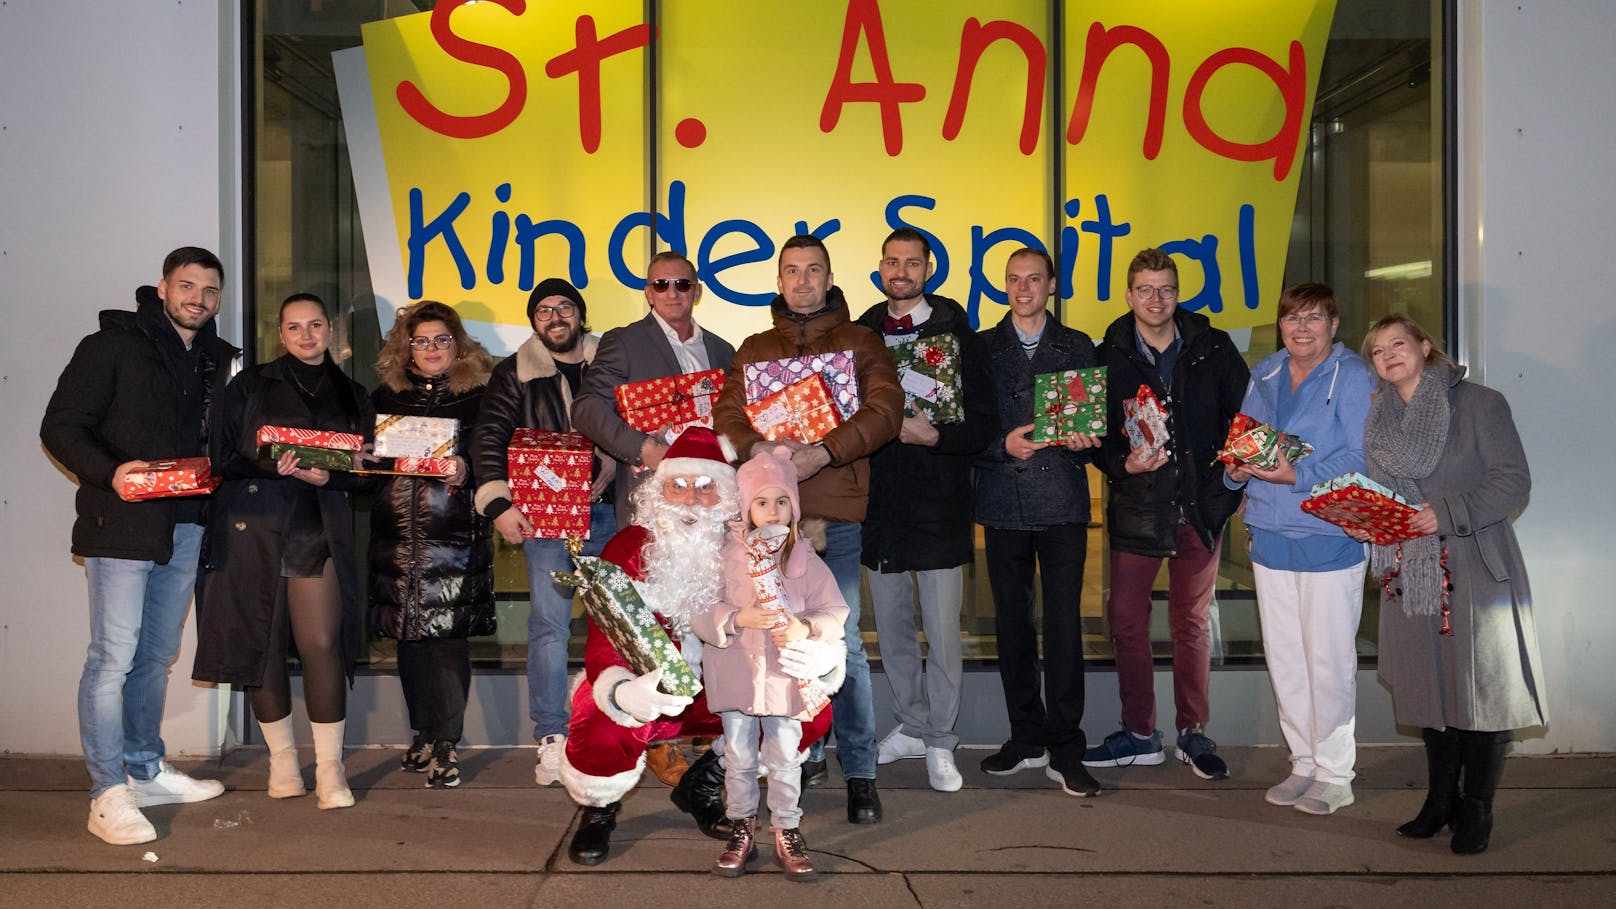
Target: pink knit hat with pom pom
771,468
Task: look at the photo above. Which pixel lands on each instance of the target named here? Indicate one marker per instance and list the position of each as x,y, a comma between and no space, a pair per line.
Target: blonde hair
1414,331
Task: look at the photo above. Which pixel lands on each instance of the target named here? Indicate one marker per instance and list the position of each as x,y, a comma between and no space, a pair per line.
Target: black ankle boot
700,794
1442,792
593,840
1482,754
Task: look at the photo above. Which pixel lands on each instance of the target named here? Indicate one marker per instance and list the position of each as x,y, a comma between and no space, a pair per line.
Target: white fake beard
682,573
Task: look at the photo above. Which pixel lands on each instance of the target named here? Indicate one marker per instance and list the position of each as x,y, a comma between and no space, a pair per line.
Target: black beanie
552,287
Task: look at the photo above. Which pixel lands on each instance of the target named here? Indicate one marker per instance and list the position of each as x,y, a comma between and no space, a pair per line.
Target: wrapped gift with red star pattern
929,371
802,411
169,479
548,473
315,447
1355,501
677,401
770,376
1145,421
1259,444
1067,403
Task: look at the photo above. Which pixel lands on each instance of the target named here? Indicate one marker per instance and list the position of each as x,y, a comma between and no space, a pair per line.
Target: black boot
594,837
700,794
1482,754
1442,794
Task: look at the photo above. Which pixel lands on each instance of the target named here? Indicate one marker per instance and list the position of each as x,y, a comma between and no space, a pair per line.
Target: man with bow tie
917,531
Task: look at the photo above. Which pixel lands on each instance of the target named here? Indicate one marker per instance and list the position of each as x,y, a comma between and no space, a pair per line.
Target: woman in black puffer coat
431,563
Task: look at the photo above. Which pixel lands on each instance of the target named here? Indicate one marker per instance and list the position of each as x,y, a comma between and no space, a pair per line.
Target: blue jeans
549,622
137,611
852,715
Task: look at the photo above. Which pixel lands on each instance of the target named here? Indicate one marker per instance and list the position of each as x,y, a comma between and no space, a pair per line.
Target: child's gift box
929,371
1355,501
676,401
169,479
401,436
770,376
548,473
616,609
1067,403
314,447
1145,421
802,411
1259,444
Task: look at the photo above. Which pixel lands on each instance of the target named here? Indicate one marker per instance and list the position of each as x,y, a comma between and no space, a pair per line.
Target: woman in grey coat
1458,642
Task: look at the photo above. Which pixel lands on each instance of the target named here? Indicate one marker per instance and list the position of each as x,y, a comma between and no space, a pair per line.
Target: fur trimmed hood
534,361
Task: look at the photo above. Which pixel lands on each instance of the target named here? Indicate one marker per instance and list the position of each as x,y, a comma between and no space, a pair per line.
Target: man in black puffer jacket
1166,503
144,388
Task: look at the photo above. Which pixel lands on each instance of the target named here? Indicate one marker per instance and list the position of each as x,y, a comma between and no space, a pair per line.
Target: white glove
640,698
809,659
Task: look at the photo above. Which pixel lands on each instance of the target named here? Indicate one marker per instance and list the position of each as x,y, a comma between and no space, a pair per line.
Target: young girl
775,656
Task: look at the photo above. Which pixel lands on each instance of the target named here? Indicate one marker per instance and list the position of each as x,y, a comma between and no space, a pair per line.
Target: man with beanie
811,317
672,553
534,389
141,389
917,533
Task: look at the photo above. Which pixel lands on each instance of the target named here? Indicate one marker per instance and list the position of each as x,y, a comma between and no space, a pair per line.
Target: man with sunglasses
667,342
536,388
1168,502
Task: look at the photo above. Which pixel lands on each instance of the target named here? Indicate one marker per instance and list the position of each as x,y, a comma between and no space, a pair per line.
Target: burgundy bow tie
899,326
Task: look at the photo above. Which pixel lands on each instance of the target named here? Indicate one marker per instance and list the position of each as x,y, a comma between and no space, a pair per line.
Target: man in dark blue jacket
1032,500
141,389
1166,502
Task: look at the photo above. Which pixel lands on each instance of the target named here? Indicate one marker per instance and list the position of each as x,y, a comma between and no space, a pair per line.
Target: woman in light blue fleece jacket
1309,575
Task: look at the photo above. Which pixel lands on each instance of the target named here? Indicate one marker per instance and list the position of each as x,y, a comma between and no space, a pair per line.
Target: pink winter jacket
740,667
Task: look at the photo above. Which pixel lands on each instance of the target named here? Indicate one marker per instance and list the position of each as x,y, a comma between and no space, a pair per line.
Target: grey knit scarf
1402,445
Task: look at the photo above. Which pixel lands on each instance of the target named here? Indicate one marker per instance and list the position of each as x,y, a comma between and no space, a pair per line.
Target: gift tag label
919,385
549,478
772,416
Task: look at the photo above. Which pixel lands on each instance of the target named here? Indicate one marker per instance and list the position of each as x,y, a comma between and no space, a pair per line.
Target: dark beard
570,345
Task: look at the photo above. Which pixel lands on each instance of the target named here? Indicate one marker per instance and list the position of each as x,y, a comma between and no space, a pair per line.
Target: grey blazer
637,352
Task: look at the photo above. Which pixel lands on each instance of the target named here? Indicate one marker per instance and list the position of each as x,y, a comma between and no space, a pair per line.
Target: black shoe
445,770
1472,827
593,840
1074,778
863,802
700,794
1013,758
1442,785
418,756
814,774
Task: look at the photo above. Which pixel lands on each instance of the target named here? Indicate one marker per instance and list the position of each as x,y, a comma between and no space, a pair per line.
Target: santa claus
671,551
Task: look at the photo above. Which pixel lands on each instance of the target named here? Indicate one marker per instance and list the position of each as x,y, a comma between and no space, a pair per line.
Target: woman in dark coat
280,563
1458,642
431,563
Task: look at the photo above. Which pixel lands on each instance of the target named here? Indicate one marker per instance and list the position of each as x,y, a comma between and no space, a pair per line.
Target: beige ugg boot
330,777
285,774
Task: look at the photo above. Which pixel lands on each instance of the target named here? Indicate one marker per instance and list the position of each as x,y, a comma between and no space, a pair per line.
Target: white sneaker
1324,798
547,770
1286,793
941,772
115,819
171,787
897,746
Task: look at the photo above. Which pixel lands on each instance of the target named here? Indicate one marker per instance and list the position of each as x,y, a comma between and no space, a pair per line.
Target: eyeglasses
546,313
1311,320
441,342
661,285
1147,292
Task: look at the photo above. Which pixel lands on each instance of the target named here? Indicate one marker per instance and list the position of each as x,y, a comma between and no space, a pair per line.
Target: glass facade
1370,219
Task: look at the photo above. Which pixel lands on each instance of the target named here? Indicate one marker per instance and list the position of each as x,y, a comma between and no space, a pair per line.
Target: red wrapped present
1145,421
314,447
169,479
549,480
407,467
841,377
677,401
1259,444
1355,501
802,411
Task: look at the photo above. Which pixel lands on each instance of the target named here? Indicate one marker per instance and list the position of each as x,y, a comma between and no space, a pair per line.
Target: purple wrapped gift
767,377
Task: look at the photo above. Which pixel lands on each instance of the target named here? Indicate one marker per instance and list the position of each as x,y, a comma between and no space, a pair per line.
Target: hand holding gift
1145,421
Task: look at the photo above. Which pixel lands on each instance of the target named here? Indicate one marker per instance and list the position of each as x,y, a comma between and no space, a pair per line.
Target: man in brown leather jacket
811,317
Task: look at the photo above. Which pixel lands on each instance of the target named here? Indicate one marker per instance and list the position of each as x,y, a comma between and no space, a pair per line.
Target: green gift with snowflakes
617,610
929,371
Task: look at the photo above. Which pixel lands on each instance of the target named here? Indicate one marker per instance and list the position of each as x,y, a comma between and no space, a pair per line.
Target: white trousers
780,750
1310,630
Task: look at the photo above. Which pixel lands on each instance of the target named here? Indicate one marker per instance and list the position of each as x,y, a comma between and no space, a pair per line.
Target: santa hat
771,468
700,452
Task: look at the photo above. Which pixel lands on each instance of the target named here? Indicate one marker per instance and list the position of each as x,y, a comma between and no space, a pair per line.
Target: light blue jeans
137,612
852,708
549,622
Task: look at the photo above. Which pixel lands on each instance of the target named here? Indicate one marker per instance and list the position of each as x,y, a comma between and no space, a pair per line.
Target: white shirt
691,354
